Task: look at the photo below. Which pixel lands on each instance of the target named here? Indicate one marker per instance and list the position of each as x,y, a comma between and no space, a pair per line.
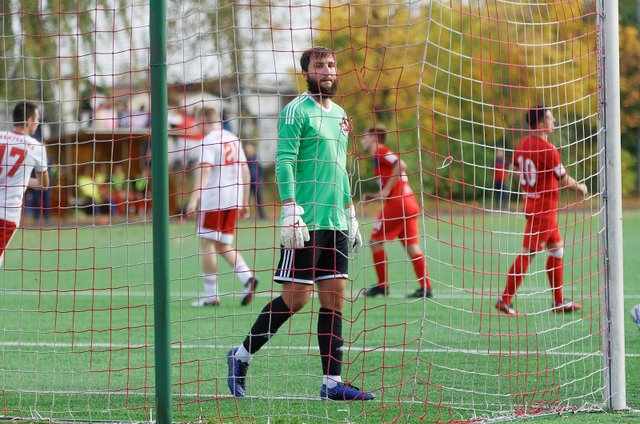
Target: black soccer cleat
420,293
377,291
251,285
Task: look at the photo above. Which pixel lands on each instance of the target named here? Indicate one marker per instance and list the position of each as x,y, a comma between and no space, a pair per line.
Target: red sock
422,272
515,277
380,262
555,267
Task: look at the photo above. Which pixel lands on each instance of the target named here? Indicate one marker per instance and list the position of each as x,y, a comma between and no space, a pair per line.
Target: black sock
273,315
330,341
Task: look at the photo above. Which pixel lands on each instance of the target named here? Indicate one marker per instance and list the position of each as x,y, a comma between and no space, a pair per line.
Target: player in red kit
541,177
399,216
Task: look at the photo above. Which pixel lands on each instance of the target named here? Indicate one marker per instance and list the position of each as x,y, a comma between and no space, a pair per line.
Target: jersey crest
345,125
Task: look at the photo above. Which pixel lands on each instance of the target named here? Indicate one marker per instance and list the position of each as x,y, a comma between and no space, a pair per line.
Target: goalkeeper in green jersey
318,226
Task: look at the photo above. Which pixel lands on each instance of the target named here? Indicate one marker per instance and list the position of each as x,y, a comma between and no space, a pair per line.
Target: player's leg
331,281
382,271
208,229
293,298
331,296
515,277
225,228
209,260
385,228
7,230
555,270
259,204
295,273
530,244
240,268
410,238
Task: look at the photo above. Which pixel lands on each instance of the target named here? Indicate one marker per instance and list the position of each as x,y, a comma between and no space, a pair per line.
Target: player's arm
200,175
564,179
41,178
399,168
245,175
40,181
246,178
294,232
512,171
289,133
568,182
355,238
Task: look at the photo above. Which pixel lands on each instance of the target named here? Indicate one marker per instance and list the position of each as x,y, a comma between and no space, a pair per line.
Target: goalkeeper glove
355,239
293,232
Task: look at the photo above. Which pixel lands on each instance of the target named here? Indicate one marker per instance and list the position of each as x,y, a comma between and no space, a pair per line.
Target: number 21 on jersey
528,171
230,153
14,161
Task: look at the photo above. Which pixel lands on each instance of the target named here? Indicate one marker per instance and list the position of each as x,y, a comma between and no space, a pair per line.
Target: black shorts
325,256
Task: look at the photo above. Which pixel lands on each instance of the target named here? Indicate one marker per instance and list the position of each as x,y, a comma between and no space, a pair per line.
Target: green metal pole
160,193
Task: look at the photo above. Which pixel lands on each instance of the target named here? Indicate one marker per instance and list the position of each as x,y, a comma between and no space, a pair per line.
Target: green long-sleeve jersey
311,161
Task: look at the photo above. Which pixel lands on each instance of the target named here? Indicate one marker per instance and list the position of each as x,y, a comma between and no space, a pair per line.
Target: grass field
77,330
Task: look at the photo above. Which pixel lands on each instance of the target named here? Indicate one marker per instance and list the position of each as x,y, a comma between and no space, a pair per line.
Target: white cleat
565,307
205,301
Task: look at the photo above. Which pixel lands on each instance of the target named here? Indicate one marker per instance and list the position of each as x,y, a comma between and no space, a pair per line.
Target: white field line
192,294
119,346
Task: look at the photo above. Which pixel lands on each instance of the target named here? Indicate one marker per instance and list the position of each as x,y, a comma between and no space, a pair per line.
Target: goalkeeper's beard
316,89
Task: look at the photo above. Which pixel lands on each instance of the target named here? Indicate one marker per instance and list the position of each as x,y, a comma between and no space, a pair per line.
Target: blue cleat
344,392
237,374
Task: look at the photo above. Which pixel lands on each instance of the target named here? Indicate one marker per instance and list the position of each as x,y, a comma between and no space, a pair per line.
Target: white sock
331,381
242,271
243,354
210,285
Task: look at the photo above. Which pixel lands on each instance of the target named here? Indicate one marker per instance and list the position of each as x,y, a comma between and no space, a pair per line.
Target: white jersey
222,151
19,155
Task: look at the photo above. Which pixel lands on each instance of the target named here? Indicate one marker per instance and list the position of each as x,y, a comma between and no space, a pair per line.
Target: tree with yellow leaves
459,77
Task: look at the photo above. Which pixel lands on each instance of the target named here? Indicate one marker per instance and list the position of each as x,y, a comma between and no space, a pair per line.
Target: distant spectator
500,193
85,113
140,119
140,190
119,188
93,193
226,124
124,116
255,170
105,118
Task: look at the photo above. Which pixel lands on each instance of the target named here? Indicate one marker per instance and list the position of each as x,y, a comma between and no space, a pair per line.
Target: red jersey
540,170
401,201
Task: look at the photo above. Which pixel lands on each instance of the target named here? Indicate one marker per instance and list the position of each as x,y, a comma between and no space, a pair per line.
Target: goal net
450,84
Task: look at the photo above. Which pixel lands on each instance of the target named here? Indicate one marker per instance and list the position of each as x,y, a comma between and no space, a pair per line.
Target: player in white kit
19,155
221,187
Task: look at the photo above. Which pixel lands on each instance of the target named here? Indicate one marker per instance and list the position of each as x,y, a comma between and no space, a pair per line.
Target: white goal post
613,340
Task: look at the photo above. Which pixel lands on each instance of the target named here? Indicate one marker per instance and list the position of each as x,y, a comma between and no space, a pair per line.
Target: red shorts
406,229
218,225
541,231
7,229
